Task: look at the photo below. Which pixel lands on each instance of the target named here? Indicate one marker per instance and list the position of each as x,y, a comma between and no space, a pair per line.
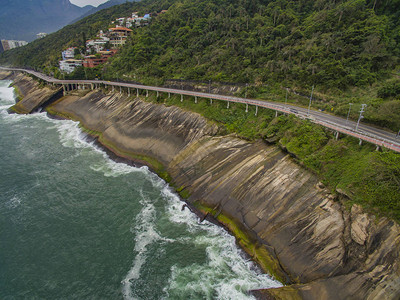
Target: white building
120,21
69,65
11,44
97,44
69,53
41,35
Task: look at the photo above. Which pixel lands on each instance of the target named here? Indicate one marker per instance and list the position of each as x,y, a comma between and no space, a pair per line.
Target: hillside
105,5
349,50
46,52
23,19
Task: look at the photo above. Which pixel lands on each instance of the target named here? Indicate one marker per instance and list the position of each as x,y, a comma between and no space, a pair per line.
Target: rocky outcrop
5,75
31,94
324,250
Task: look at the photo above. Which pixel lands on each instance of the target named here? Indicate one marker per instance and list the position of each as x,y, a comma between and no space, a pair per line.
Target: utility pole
348,114
309,105
363,106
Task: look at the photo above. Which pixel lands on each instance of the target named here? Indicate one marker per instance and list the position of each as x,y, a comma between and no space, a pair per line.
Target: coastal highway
365,132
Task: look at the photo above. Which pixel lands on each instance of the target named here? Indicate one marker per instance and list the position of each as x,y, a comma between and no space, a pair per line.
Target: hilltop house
69,65
68,53
118,35
96,44
92,61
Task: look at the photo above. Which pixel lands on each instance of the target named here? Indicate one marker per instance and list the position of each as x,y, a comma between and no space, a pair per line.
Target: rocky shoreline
279,212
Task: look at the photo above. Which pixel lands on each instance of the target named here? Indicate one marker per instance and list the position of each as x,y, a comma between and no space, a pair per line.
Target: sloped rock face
327,251
31,93
136,126
5,75
339,254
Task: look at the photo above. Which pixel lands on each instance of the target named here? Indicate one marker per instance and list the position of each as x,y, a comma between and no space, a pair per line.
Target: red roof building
92,61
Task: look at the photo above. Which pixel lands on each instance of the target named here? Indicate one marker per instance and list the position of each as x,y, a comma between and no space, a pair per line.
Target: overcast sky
87,2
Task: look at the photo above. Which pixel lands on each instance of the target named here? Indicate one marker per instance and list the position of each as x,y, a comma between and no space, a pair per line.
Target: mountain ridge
23,19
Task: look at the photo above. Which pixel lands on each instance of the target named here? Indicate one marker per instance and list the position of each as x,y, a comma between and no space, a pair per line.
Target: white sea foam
145,234
6,93
227,274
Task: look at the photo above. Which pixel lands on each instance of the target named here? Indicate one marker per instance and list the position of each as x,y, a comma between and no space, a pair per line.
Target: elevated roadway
364,132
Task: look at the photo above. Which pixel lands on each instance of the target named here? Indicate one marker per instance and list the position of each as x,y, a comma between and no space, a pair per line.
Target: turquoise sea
76,225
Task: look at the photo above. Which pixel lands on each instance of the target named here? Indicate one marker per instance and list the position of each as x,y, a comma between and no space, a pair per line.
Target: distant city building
69,65
69,53
11,44
41,35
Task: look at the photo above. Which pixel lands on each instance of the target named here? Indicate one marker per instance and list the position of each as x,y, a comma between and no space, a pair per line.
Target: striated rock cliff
279,211
31,94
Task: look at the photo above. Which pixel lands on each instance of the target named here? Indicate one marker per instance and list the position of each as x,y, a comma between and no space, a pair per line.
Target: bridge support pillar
247,107
137,93
158,94
256,110
195,99
129,92
227,105
64,92
377,148
210,101
276,114
181,97
113,88
120,90
337,135
360,143
169,95
147,93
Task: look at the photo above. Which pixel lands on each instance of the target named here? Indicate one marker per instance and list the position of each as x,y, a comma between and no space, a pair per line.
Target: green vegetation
348,49
365,176
45,53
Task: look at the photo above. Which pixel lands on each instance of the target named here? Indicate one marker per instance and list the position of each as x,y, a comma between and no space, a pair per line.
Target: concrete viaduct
364,132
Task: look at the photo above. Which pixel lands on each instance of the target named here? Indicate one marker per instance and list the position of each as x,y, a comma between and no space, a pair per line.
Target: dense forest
349,50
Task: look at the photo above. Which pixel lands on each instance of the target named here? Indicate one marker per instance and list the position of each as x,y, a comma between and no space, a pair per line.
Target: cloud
87,2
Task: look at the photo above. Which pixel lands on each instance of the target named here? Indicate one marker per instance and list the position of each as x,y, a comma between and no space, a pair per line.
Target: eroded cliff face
326,251
32,95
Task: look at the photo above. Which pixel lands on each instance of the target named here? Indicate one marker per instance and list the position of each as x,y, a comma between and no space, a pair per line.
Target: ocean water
76,225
